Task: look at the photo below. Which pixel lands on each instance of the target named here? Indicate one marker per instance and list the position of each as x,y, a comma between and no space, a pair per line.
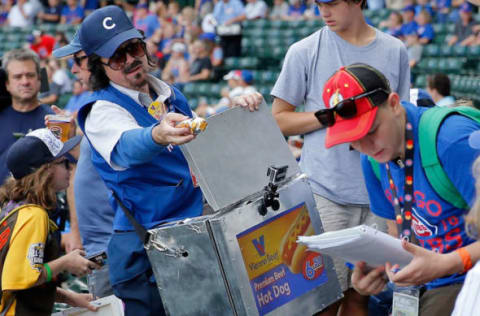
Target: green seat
473,52
423,64
304,32
369,13
421,81
296,24
270,76
460,50
431,50
189,89
314,24
455,65
439,38
248,63
446,50
384,13
232,63
439,28
215,89
450,28
434,63
279,24
249,24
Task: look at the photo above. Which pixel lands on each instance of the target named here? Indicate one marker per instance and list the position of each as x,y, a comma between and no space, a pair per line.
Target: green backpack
427,136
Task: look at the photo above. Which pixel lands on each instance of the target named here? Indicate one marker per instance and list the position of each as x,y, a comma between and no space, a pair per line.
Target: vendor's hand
80,300
368,283
73,124
249,101
166,133
425,266
76,263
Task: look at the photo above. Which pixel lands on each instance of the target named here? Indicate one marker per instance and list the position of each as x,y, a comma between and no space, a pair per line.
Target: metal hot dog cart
240,259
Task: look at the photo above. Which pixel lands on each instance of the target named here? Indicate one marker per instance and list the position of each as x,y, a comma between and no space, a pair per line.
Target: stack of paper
359,243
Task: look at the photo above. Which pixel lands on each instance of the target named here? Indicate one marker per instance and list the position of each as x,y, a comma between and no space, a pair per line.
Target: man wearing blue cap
131,138
335,175
93,210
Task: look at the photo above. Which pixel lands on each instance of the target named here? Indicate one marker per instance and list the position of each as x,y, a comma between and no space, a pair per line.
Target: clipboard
359,243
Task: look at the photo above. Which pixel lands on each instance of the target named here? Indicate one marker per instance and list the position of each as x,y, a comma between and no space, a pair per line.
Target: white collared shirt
107,121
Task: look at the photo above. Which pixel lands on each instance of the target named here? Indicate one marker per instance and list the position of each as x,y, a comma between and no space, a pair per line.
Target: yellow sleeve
24,260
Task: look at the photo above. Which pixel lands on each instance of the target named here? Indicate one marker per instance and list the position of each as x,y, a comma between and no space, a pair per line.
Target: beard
139,79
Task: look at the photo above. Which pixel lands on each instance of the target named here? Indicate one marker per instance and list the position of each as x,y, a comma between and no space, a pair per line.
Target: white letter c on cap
105,23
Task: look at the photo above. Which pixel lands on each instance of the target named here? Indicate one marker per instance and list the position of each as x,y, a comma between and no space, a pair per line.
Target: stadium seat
460,51
446,50
431,50
421,81
473,52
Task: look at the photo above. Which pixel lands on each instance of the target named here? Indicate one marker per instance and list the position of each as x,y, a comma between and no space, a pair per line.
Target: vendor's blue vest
155,192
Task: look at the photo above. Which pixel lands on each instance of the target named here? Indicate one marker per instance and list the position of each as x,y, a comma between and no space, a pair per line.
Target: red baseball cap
348,82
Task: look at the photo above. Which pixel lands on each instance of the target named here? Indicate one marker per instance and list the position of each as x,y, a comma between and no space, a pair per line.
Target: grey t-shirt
336,173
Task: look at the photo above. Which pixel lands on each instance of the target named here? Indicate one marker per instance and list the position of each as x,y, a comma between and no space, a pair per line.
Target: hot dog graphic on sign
278,268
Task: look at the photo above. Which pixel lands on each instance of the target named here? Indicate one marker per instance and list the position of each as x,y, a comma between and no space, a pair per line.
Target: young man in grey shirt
335,174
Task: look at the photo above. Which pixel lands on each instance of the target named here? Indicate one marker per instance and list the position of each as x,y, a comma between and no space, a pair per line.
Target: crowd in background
188,44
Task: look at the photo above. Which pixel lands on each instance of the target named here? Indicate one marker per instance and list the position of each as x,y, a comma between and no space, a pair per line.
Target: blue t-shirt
296,11
419,8
223,12
70,14
397,32
17,123
410,27
148,25
441,4
438,225
94,213
426,31
75,102
53,10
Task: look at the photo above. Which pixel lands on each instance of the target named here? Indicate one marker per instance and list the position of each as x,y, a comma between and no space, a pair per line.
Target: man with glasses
93,211
362,111
335,175
131,129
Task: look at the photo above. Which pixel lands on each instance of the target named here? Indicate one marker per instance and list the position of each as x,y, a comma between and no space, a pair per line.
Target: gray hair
20,54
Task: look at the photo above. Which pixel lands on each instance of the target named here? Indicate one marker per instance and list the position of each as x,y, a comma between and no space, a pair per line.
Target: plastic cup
59,125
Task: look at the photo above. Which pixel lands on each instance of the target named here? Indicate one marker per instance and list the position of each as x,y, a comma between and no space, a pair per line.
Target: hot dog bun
291,252
196,125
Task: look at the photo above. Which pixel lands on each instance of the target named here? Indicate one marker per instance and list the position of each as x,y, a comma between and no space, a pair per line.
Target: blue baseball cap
105,29
36,149
69,49
323,1
247,76
208,36
466,7
407,8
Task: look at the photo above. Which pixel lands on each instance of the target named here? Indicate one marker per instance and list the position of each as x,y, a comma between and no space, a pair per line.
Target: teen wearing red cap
334,175
364,112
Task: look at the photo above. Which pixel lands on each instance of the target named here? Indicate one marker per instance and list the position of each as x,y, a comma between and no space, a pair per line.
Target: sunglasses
64,162
345,108
78,60
135,49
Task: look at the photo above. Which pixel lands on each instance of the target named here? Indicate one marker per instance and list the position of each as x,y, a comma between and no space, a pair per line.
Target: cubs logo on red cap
346,83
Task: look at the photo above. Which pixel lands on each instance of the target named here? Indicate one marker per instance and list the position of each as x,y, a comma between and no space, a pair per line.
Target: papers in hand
359,243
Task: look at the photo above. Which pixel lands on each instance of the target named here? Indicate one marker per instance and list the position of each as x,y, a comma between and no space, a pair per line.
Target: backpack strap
428,129
375,166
